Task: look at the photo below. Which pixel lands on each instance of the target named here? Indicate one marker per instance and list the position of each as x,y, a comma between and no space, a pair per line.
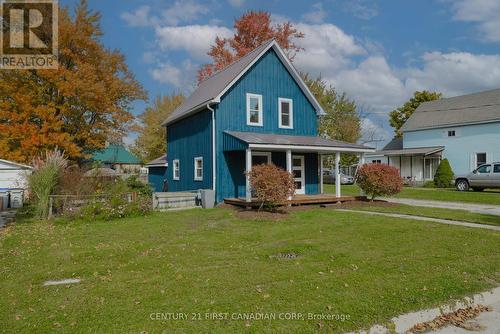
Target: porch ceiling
272,142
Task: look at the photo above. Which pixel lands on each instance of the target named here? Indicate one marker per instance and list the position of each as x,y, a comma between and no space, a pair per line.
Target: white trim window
198,169
176,170
285,113
254,110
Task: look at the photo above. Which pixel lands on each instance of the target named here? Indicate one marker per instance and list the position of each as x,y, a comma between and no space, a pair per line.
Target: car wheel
462,185
478,189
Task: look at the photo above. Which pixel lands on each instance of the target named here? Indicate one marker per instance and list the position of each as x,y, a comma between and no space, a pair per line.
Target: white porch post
337,174
289,164
248,193
321,173
361,163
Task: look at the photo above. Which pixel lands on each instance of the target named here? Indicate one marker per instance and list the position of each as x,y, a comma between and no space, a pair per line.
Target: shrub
272,185
136,185
429,184
379,180
113,203
444,175
44,178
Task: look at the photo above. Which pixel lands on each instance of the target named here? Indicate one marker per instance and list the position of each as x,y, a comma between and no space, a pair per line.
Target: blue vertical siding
186,139
156,177
269,78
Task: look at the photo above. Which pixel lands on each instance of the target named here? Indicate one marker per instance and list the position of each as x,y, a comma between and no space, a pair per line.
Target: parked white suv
485,176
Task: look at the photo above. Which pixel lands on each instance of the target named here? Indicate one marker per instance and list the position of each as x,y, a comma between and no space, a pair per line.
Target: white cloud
139,17
179,76
183,11
194,39
179,12
455,73
327,48
236,3
486,13
371,83
316,15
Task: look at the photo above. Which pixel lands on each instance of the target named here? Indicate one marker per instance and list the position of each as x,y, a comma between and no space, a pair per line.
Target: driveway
472,207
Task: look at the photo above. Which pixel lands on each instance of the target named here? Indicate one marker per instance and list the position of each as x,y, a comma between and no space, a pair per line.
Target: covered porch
302,156
416,165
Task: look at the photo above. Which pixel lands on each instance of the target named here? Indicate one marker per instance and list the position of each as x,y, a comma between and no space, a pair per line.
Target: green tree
342,120
444,174
398,117
152,140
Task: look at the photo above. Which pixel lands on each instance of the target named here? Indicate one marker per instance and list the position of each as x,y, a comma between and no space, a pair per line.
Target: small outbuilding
118,158
157,173
12,183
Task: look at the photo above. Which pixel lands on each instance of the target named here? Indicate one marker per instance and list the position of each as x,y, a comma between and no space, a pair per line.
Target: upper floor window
285,113
176,170
198,169
254,109
451,133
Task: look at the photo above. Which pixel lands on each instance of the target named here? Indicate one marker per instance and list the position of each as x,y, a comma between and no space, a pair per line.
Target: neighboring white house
464,129
12,183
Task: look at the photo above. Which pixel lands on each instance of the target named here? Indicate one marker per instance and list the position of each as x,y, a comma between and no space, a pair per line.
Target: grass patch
459,215
489,196
370,268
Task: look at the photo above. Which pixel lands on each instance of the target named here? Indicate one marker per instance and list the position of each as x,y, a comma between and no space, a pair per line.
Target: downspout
214,178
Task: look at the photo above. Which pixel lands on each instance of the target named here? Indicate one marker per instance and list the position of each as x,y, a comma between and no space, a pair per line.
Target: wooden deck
297,200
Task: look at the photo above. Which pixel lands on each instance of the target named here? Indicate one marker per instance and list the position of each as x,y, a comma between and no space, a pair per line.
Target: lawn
450,214
349,266
489,196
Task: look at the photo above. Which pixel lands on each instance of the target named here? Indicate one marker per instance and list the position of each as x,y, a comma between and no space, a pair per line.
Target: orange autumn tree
252,29
77,107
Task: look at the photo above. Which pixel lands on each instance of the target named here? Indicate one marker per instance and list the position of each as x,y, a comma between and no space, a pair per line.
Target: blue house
157,173
464,129
257,110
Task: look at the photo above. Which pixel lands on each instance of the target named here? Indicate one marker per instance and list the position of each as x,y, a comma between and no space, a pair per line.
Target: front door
481,177
298,174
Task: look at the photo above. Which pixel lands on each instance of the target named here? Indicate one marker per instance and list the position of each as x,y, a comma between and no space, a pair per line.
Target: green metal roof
115,154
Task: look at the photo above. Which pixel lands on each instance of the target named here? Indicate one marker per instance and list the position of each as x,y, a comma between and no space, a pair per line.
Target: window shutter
472,161
489,157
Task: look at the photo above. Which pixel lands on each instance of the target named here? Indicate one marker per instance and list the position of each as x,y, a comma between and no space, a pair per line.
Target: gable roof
115,154
474,108
158,162
395,144
213,88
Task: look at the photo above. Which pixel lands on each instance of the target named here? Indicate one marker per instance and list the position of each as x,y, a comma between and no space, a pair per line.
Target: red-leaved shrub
271,185
379,180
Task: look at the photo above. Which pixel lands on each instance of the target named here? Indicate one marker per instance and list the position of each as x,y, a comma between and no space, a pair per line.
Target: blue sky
378,52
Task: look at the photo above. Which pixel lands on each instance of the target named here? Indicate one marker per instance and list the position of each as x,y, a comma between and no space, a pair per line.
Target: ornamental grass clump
271,185
43,180
379,180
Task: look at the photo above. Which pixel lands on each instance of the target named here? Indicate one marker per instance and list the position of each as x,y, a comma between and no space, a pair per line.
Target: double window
255,114
198,169
176,169
285,113
254,110
451,133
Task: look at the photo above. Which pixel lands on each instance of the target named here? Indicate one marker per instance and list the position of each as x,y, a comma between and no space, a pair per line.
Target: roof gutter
213,146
